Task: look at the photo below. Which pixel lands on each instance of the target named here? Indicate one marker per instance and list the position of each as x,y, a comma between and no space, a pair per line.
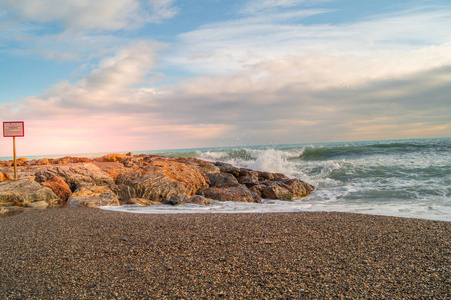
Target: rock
5,177
59,187
73,175
286,189
263,176
152,186
228,168
200,200
240,194
124,192
222,180
191,179
112,157
70,160
92,196
143,202
248,177
258,189
40,162
134,161
175,200
23,192
38,205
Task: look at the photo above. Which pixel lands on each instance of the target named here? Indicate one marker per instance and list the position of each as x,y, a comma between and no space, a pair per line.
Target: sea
404,178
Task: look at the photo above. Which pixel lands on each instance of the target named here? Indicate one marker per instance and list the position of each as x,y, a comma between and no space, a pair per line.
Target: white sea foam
275,206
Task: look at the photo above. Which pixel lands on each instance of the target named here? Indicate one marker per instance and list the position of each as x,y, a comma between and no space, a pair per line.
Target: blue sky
125,75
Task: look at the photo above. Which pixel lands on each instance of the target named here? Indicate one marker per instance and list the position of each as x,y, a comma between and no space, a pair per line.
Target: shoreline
91,253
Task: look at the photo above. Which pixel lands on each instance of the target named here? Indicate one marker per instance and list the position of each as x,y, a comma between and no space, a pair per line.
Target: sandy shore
96,254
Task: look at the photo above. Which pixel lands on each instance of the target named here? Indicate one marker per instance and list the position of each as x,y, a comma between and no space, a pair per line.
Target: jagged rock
134,161
191,179
73,175
239,194
153,186
59,187
23,192
92,196
263,176
222,180
5,177
124,192
248,177
200,200
228,168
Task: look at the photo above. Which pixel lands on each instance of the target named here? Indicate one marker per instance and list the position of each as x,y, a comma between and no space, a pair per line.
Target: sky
90,76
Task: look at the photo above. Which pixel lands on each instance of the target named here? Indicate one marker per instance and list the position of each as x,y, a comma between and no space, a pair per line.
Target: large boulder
73,175
25,192
160,180
92,196
239,194
152,186
191,178
283,189
59,187
222,180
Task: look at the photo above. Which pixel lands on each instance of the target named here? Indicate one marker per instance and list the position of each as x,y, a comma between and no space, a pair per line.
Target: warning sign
13,129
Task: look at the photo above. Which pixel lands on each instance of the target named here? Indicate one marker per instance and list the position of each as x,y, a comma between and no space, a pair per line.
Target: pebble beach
89,253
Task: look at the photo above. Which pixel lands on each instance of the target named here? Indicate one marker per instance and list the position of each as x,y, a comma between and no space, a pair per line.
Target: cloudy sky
125,75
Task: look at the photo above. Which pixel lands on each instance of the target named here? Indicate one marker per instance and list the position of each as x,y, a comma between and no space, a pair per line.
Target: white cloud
87,15
265,6
227,47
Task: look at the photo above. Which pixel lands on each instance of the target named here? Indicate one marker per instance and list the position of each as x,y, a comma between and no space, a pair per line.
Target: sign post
13,129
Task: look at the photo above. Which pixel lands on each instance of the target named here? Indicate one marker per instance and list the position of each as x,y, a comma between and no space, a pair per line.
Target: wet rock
175,200
248,177
92,196
286,189
240,194
200,200
23,192
228,168
222,180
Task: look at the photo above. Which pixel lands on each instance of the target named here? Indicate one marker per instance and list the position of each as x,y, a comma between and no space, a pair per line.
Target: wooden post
15,162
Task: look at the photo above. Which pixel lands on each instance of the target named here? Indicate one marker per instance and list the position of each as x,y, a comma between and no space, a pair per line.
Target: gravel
88,253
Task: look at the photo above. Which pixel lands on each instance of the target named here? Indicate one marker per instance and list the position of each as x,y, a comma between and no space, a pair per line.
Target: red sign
13,129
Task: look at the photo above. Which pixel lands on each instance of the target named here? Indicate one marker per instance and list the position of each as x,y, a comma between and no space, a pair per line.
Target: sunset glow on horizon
134,75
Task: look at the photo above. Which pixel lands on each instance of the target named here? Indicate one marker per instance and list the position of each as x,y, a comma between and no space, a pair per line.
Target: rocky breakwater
117,179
